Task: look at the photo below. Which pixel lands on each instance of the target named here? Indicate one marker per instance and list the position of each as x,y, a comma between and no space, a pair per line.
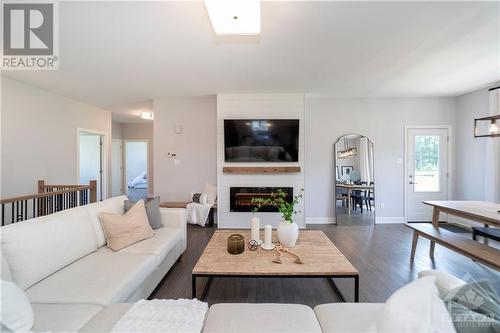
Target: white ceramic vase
288,233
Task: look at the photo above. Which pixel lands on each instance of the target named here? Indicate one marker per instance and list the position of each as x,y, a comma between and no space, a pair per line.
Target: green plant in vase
288,231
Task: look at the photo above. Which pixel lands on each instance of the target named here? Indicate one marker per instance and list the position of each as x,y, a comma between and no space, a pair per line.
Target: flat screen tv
261,140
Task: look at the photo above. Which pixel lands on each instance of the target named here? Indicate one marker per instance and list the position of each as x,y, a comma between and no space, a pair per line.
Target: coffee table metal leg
193,285
336,290
339,293
205,290
356,289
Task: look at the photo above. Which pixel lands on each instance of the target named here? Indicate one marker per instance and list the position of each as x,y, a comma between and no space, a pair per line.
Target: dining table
350,188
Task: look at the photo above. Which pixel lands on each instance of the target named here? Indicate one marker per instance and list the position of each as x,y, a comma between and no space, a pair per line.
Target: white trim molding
104,156
451,159
320,220
390,220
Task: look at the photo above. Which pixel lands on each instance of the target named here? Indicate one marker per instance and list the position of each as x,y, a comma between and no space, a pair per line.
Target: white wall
382,121
195,147
116,130
39,137
257,106
470,158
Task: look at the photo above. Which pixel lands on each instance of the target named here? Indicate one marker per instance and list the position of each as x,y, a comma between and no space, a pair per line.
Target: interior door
427,170
90,158
117,168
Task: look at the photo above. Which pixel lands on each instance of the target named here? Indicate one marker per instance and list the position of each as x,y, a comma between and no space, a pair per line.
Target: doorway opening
136,169
91,152
117,168
427,174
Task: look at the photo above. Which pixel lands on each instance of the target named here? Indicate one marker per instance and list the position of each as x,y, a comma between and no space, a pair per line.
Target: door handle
413,183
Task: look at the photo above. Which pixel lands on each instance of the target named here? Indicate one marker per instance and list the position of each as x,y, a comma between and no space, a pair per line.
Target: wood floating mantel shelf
254,170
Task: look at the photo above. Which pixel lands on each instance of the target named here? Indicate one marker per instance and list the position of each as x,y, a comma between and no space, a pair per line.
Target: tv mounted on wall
261,140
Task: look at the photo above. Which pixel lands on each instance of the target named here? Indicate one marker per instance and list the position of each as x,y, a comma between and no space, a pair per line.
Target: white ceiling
117,55
131,112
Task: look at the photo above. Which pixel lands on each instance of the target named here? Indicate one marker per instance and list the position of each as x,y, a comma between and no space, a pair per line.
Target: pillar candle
268,236
255,234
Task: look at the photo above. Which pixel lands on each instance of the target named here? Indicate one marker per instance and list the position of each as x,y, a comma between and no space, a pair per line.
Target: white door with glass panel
427,170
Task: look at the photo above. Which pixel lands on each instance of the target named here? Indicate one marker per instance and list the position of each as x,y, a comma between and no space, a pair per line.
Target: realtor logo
29,35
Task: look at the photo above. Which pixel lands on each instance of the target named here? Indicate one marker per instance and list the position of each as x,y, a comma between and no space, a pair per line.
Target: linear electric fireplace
240,199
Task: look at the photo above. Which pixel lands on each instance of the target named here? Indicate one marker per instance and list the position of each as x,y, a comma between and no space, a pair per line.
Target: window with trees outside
427,163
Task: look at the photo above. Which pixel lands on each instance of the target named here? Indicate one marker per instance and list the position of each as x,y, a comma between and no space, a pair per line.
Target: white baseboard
389,220
331,220
320,220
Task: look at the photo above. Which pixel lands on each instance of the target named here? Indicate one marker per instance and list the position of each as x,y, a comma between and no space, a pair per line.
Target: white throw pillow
16,313
211,191
203,199
445,282
416,308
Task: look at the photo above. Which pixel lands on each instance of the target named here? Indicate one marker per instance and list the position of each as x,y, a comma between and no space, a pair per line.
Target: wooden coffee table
321,260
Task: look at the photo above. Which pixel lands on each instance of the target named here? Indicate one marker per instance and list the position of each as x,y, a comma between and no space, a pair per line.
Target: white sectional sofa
75,283
62,263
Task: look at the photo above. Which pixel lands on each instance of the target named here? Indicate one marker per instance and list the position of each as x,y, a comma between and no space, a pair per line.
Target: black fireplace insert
240,198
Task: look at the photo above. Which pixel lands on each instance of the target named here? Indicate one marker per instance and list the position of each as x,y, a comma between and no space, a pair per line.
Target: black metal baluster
34,207
3,215
25,209
12,211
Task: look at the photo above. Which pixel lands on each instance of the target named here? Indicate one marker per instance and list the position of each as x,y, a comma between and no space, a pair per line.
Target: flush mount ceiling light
234,17
148,115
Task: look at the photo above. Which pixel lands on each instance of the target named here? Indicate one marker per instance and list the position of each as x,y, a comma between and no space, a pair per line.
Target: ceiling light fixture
480,127
234,17
487,127
148,115
347,151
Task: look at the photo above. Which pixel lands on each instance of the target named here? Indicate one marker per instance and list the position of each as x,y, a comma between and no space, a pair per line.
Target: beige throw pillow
124,230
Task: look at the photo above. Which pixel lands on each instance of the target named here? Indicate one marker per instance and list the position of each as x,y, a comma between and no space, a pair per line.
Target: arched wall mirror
354,181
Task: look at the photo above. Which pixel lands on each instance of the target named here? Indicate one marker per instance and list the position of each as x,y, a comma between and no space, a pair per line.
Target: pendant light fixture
488,127
347,151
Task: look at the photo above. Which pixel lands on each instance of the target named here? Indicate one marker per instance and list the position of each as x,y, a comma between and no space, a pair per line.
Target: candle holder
235,244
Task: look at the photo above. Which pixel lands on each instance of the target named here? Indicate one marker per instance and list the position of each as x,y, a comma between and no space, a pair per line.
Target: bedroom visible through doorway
136,169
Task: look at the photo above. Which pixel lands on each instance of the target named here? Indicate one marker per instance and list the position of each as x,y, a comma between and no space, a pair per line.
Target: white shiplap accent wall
257,106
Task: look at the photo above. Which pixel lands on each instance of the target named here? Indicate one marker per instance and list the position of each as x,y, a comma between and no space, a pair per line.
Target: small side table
183,204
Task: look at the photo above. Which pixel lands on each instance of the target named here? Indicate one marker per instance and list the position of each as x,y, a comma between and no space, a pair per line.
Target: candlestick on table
268,238
255,233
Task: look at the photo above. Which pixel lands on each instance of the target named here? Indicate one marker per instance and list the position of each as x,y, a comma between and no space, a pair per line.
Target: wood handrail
49,199
63,186
43,195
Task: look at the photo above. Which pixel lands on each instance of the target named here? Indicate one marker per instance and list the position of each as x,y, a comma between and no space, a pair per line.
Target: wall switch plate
382,205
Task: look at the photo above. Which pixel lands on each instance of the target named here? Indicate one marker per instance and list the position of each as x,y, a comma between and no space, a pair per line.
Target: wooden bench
487,233
458,243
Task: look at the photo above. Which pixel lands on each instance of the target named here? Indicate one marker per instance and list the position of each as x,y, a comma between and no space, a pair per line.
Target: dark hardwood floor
381,254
